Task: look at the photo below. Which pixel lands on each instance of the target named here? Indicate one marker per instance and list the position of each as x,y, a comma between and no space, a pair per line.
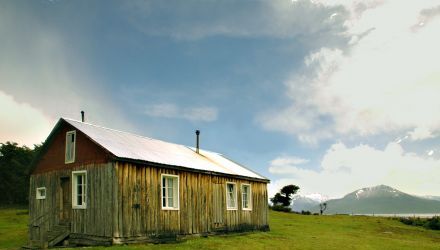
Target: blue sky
331,96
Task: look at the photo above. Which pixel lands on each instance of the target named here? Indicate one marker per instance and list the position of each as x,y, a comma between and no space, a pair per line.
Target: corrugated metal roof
135,147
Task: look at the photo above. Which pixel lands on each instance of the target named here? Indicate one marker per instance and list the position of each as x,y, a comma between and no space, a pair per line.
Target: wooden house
92,185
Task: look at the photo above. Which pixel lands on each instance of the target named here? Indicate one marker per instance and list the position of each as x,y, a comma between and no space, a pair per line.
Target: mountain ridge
381,199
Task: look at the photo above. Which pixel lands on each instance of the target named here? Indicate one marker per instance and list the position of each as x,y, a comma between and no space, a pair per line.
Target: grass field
288,231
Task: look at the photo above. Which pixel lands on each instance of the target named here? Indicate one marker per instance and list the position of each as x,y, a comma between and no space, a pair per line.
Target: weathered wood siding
124,203
96,219
202,199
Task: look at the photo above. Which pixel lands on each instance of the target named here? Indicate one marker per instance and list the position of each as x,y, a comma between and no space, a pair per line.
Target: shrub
429,223
433,223
281,208
305,212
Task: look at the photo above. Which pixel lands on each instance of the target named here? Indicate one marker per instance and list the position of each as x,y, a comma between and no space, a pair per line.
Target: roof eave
161,165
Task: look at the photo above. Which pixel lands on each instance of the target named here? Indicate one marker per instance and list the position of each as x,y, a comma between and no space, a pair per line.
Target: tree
284,197
14,172
322,207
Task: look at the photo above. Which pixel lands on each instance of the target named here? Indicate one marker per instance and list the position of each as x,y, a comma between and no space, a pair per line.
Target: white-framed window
79,189
231,196
41,193
70,147
170,191
246,197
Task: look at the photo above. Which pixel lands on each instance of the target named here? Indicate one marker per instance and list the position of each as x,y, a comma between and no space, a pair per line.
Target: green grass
13,228
288,231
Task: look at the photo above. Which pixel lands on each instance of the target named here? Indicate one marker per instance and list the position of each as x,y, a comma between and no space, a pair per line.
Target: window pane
170,182
231,195
246,196
68,151
170,192
79,190
164,189
70,147
245,201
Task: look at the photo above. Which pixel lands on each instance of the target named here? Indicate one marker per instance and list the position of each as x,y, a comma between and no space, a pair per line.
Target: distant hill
430,197
381,200
304,202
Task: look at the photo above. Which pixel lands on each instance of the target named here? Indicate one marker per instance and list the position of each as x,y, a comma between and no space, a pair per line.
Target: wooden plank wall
139,212
124,202
95,220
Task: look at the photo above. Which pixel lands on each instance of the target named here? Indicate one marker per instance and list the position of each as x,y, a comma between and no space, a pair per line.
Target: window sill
231,208
247,209
79,207
170,208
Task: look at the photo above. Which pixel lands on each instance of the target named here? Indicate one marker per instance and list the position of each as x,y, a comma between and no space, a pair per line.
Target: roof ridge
125,132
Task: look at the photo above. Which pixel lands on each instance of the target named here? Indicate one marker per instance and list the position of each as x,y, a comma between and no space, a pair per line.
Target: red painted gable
87,151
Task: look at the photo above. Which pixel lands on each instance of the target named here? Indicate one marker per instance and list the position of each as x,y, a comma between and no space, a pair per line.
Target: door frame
65,212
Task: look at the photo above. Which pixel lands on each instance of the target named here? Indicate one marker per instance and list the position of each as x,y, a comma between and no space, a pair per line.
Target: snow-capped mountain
377,191
381,200
306,202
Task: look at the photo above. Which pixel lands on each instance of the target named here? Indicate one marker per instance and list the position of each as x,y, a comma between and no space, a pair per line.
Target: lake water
401,215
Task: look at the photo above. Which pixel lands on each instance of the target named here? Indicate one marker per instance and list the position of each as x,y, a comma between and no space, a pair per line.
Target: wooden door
66,200
218,205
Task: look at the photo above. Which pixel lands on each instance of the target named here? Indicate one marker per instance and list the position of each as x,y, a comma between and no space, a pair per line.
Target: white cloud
16,119
385,80
166,110
344,169
169,110
288,160
420,133
278,18
286,164
207,114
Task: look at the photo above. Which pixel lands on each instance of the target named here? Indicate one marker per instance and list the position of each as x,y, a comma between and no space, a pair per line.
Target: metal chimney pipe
197,141
82,116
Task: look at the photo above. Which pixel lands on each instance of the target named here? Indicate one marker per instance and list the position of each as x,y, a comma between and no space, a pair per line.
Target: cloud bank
345,169
16,119
386,79
193,20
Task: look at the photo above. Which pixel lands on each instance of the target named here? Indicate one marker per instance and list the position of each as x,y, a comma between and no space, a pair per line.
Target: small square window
41,193
231,196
